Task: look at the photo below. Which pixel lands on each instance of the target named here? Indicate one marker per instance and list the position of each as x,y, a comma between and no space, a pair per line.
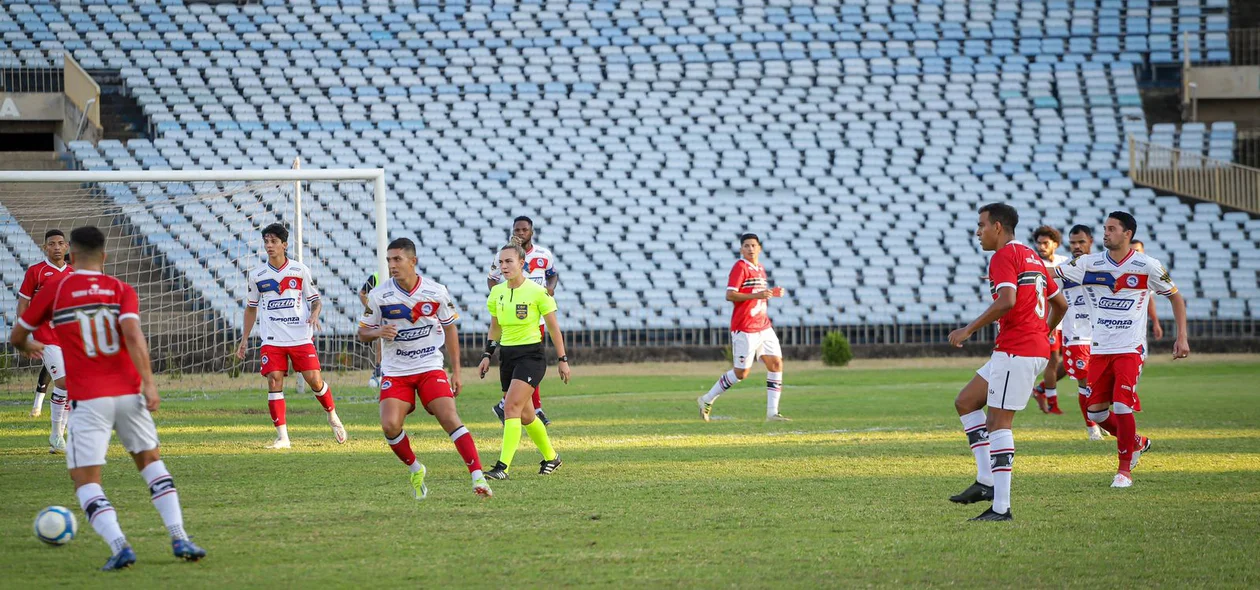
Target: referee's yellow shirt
519,311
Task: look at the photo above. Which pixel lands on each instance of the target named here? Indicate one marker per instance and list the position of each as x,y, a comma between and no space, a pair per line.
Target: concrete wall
31,106
1226,82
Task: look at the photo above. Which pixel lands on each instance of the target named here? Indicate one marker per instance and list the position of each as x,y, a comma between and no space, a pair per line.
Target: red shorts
1076,361
276,358
1055,338
1113,379
428,386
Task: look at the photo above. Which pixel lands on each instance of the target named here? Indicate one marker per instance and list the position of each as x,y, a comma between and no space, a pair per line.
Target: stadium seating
857,136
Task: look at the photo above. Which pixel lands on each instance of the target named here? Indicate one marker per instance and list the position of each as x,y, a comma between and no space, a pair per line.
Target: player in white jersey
414,318
1046,241
286,293
540,267
1117,285
1157,330
1077,328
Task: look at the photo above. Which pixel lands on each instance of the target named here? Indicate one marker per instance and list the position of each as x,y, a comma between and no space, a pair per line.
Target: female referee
515,306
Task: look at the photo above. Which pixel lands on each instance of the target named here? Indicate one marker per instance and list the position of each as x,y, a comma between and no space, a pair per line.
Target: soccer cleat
1052,404
121,560
1039,393
279,443
1095,432
542,416
339,431
482,489
705,408
778,418
498,411
500,471
549,467
1143,445
56,445
976,492
990,515
36,411
1122,481
186,550
419,490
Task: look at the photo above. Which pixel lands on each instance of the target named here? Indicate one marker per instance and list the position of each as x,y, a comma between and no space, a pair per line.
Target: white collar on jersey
414,290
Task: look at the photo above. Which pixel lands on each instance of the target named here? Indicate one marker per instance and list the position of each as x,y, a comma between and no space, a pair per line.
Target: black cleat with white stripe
498,472
977,492
547,467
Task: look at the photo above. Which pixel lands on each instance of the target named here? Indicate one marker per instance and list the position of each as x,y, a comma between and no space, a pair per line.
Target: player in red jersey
111,389
286,293
751,334
1117,284
36,278
1046,241
1021,289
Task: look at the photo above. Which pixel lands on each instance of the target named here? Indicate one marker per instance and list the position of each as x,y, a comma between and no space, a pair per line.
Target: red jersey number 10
100,332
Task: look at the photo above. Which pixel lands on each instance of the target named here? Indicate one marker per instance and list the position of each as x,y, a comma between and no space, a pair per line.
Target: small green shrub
835,350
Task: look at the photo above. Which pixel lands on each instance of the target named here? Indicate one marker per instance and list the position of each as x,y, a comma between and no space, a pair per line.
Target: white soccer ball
374,383
56,525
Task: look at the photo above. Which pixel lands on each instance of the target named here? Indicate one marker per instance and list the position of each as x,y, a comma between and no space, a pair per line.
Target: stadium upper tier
858,138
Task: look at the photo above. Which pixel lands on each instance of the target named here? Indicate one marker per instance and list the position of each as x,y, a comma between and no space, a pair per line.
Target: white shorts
1011,379
92,421
746,347
54,361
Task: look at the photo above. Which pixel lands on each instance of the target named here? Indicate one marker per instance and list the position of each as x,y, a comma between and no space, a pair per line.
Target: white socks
165,498
1002,449
1052,392
978,438
100,513
282,432
58,414
39,402
725,382
774,388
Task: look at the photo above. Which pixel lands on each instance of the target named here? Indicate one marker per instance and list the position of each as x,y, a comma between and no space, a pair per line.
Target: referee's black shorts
525,362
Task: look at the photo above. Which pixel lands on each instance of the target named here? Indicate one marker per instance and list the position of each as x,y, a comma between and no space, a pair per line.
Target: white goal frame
298,175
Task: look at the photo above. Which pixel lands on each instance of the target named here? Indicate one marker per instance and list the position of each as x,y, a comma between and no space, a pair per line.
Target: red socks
467,448
325,398
275,404
537,399
1084,401
401,445
1126,439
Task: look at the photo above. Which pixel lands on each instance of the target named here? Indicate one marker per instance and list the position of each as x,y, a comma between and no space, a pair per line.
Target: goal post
186,239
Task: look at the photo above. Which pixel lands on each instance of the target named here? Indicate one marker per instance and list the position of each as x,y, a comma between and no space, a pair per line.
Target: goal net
185,241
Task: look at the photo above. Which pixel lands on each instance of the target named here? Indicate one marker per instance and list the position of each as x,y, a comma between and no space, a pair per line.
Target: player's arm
37,312
452,353
313,299
138,349
372,326
492,344
251,316
553,280
1181,348
1153,316
557,340
1058,309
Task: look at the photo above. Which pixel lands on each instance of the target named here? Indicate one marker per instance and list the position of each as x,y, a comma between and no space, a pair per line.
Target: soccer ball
55,525
374,383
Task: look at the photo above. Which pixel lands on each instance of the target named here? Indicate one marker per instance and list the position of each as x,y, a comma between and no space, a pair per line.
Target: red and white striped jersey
1023,330
749,316
36,277
283,296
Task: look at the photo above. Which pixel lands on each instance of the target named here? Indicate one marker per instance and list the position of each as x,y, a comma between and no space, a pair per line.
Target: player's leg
59,405
1051,376
537,399
398,396
442,405
772,356
276,406
323,393
41,388
1129,445
1010,381
742,350
970,406
91,425
138,434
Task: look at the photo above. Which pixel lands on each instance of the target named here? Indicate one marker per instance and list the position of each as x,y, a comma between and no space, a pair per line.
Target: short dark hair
53,233
525,219
1049,232
404,244
749,236
278,231
88,239
1003,214
1126,221
1136,243
1081,229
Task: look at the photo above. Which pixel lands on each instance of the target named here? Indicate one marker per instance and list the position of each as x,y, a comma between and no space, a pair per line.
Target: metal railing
32,71
1194,175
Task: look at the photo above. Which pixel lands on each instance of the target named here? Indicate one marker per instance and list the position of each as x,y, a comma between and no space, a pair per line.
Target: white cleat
37,412
1095,432
1122,481
778,418
339,431
56,445
482,489
705,408
279,443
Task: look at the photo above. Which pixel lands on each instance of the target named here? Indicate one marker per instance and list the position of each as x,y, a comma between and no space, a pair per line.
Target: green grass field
852,493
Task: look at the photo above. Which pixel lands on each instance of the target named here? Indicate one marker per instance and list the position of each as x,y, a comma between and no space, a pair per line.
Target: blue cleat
187,550
121,560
